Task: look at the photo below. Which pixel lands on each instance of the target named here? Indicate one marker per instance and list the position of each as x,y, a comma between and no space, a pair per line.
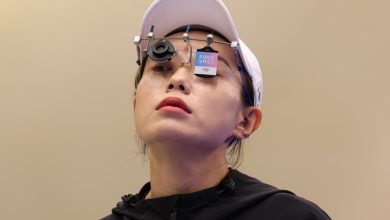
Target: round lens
160,48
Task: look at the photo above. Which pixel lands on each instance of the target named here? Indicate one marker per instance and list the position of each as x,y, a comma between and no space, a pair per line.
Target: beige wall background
67,139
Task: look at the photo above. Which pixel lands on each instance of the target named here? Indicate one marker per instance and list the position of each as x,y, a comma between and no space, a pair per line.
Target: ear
251,121
134,102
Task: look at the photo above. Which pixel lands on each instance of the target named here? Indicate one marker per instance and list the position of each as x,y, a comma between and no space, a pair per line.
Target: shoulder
112,217
295,207
273,203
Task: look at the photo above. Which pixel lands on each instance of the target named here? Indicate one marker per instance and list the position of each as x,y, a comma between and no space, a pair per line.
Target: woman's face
173,106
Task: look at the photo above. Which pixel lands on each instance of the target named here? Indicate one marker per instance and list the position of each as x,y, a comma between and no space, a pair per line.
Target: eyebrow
224,60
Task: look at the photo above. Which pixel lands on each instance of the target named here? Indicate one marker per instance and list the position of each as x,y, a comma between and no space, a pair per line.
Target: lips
174,102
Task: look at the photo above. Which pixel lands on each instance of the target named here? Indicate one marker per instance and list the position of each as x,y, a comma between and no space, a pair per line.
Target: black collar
138,201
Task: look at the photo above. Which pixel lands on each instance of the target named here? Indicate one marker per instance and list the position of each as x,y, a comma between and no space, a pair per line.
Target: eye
162,68
221,73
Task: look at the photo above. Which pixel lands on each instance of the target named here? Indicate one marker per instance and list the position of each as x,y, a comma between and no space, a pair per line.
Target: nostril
170,86
181,87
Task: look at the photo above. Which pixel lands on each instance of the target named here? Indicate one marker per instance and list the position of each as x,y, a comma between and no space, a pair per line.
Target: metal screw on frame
186,38
137,42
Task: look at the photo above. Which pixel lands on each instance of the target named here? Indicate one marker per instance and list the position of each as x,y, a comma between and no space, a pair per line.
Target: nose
180,81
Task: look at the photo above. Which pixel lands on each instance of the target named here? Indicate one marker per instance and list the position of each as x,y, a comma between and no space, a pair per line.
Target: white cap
168,15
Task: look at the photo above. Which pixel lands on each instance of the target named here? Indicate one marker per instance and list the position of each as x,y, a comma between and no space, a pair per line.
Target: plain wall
68,147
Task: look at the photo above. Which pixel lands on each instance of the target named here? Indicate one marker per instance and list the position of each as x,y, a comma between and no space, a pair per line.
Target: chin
179,136
167,134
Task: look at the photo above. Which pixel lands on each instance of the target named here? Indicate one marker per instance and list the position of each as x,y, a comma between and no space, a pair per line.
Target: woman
198,92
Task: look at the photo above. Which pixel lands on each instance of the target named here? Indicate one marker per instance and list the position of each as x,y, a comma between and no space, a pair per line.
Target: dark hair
234,148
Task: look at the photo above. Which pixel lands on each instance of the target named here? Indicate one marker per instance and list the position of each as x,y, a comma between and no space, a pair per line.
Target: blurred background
68,146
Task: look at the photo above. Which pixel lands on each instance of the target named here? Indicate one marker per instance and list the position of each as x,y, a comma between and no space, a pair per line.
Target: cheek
142,100
222,108
226,97
147,88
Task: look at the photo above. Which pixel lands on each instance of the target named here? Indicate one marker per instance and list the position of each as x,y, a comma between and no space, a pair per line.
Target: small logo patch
206,63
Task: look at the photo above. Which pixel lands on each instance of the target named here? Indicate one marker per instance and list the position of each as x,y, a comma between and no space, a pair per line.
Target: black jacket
236,197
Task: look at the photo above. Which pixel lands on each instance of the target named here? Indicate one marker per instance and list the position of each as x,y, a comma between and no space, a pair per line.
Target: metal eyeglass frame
209,39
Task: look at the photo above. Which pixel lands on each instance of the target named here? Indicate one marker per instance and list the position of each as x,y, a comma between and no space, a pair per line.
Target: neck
180,172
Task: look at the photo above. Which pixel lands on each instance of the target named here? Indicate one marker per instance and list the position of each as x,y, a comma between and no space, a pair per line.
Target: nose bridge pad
184,57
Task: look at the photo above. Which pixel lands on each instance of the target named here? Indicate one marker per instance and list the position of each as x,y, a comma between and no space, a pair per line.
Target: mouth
173,103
